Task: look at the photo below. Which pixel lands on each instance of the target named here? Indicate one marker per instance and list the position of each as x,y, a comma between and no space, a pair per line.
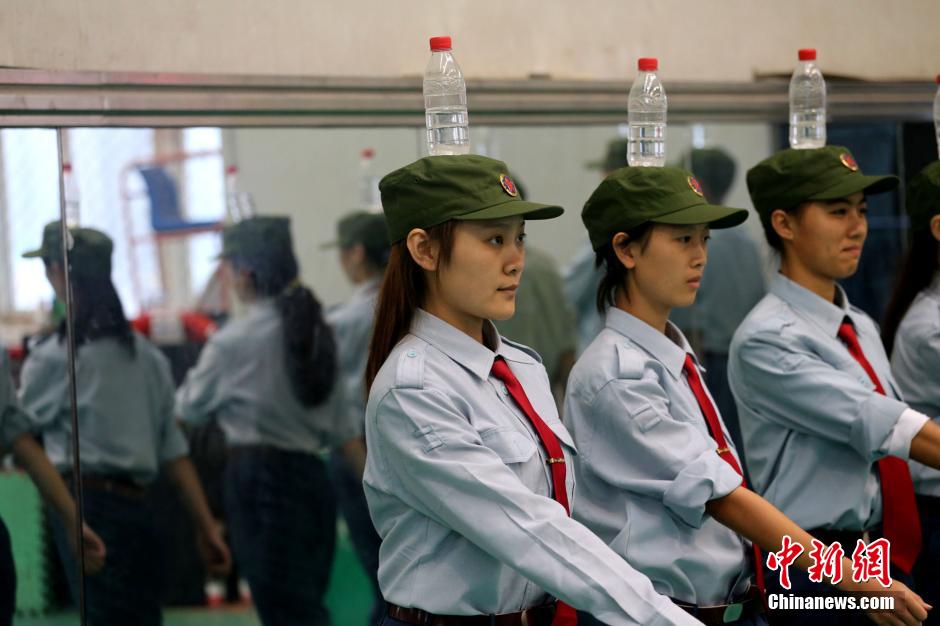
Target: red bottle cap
231,169
367,153
938,79
66,168
648,64
807,54
439,44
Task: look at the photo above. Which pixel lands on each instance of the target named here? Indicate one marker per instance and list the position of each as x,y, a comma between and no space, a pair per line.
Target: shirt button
502,388
412,354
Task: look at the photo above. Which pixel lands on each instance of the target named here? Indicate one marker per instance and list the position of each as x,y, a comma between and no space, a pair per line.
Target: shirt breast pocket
511,445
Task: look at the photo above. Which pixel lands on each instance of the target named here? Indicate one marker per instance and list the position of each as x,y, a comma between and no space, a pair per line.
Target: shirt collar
670,350
460,346
828,316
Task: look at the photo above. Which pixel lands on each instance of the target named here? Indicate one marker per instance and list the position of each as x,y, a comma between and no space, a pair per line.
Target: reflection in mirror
221,348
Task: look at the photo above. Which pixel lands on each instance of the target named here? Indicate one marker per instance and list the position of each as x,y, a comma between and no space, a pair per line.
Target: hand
214,552
909,608
93,548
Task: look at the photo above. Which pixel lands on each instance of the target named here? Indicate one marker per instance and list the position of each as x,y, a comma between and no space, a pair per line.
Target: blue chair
165,216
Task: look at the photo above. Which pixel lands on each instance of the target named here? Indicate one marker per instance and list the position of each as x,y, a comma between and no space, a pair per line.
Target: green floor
349,599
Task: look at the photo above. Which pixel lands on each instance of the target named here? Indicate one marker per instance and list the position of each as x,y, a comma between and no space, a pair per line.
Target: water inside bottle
647,145
808,129
447,129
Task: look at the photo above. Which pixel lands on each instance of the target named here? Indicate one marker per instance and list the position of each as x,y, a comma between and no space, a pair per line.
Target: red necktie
565,615
899,519
724,450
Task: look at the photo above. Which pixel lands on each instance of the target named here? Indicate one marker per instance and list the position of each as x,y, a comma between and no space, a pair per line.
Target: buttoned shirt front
812,421
647,464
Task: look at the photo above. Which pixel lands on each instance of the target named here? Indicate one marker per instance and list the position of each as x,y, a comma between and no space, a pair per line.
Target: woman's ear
782,223
625,250
935,227
422,249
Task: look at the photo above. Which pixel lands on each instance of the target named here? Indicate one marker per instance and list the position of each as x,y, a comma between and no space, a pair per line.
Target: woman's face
667,271
483,273
827,237
55,274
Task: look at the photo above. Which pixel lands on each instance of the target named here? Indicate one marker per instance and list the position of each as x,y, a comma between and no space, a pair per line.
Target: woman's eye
522,238
497,240
685,239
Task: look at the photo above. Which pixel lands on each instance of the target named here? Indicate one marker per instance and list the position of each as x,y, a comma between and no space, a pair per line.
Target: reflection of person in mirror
127,434
362,242
659,477
828,435
269,378
467,475
15,436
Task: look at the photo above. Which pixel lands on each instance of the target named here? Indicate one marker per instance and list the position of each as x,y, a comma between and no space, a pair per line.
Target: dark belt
846,538
536,616
120,485
748,606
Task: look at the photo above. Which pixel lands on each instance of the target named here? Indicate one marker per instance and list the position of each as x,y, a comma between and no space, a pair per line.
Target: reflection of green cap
363,227
257,237
789,177
615,159
632,196
90,252
436,189
923,197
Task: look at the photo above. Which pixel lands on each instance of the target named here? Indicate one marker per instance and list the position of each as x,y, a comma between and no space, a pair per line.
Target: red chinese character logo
782,560
872,561
826,562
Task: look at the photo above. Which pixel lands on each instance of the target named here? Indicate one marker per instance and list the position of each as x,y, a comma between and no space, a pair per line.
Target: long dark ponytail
920,265
404,289
309,345
98,310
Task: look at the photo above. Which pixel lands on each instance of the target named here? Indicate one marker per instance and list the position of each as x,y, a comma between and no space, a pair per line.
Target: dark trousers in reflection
352,502
129,588
281,516
926,579
7,578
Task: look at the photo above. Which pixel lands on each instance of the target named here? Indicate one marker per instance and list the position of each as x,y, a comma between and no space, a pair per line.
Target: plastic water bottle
646,117
72,206
445,102
239,205
936,114
369,197
807,103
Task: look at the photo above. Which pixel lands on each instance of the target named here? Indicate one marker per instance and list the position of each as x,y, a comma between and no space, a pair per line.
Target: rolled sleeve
899,441
794,387
43,388
446,473
639,446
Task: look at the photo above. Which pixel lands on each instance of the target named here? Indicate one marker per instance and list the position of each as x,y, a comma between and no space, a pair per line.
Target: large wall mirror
151,169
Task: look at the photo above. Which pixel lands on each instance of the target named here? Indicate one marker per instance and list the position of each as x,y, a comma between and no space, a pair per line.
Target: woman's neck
653,313
467,324
822,286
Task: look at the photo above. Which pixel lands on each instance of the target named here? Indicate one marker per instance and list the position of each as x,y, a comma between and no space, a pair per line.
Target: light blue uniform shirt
242,377
812,421
125,407
647,464
13,422
460,491
915,363
352,324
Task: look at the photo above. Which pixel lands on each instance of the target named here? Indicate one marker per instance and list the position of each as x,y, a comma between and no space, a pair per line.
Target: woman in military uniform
911,334
467,477
127,434
826,430
269,377
658,475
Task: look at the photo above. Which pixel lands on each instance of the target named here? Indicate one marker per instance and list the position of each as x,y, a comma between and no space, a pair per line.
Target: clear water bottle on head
936,114
72,205
445,102
646,118
807,103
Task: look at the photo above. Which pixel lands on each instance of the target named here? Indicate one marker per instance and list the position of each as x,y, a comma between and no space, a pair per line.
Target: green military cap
923,197
363,227
89,252
632,196
790,177
436,189
615,158
257,237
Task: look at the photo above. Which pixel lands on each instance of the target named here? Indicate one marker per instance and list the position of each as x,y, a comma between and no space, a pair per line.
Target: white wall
695,39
